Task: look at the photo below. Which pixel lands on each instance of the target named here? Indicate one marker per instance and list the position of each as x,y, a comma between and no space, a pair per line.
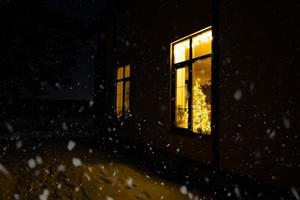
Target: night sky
84,10
83,82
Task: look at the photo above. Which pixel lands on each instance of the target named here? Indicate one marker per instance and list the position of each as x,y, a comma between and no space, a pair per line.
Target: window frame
124,80
187,63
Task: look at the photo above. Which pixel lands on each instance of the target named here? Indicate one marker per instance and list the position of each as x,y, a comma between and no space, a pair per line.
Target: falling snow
295,193
39,160
19,144
286,122
64,126
44,195
76,162
237,95
31,163
9,127
129,182
61,168
183,190
237,192
3,170
109,198
71,145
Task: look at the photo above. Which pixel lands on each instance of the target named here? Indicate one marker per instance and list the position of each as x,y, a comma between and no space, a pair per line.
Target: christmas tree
201,111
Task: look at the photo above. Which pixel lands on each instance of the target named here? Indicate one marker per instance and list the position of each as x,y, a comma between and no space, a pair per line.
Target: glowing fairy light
203,38
181,51
201,111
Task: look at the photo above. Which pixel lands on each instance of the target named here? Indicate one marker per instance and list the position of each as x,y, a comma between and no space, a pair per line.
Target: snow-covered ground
68,170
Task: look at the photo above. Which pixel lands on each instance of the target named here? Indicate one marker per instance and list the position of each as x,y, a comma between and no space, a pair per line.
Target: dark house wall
139,33
259,48
258,73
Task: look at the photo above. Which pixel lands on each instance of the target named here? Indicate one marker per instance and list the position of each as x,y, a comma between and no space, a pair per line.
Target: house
164,81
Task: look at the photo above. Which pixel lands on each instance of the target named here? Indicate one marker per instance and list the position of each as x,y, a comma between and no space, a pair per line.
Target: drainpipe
215,84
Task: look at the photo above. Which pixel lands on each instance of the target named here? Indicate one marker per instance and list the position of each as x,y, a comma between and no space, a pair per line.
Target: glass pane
182,51
120,73
127,71
119,96
181,101
201,119
202,44
126,103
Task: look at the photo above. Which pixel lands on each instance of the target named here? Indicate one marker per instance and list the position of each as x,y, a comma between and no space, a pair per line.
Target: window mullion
201,58
190,88
123,97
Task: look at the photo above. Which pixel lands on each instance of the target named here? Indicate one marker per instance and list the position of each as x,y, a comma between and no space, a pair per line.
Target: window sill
188,133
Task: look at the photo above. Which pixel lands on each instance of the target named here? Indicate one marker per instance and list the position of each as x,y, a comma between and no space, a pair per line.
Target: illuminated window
191,64
182,77
122,90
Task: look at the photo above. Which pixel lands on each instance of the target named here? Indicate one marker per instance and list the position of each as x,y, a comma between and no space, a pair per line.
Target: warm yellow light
181,98
120,73
196,48
181,51
201,44
127,71
202,38
201,111
119,102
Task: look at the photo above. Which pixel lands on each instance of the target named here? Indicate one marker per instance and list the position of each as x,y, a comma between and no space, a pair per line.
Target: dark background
44,52
58,59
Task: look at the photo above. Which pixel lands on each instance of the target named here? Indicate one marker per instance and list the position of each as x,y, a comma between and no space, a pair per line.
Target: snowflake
44,195
129,182
109,198
295,193
237,192
19,144
9,127
286,123
39,160
64,126
3,170
183,190
61,168
238,95
76,162
31,163
71,145
91,103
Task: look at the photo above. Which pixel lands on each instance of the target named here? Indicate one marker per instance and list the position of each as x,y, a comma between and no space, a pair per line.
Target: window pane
127,71
181,98
182,51
201,101
126,103
120,73
202,44
119,96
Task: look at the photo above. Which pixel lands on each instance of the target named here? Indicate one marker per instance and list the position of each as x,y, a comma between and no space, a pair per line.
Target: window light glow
201,110
203,37
122,91
192,56
181,51
202,44
182,97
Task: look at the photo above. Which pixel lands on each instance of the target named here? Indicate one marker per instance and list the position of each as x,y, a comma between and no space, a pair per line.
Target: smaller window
122,89
120,73
127,71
